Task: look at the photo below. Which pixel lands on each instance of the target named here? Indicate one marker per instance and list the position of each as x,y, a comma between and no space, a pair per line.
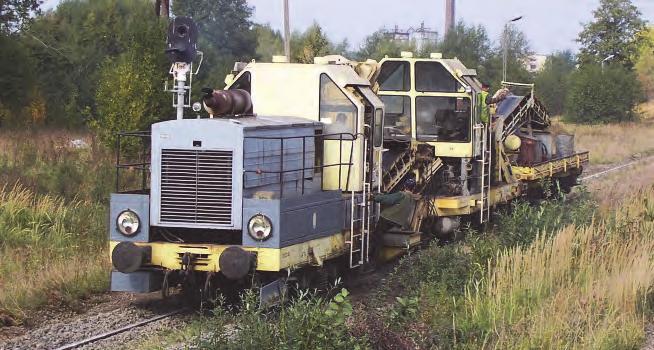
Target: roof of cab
343,75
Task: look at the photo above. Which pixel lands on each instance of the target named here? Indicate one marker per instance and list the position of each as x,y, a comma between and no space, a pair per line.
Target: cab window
379,125
433,77
394,76
337,112
397,118
443,119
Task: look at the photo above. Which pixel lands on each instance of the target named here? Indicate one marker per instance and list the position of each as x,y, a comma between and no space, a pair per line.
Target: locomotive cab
432,101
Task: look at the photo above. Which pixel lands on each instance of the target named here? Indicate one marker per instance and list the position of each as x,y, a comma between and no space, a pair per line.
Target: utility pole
162,8
287,33
505,44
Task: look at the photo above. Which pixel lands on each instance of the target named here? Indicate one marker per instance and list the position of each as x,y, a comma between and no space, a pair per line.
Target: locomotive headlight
260,227
128,223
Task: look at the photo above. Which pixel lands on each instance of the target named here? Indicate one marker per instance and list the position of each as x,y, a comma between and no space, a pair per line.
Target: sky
550,25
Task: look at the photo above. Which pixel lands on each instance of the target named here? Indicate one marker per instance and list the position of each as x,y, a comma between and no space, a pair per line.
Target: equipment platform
551,168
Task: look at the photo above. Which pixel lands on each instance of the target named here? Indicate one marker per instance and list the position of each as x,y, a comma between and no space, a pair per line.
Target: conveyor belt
517,111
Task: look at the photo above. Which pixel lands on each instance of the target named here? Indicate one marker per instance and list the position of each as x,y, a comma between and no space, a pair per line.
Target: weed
308,322
50,250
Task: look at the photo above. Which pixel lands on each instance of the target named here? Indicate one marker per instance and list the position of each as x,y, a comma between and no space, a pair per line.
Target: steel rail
616,168
110,334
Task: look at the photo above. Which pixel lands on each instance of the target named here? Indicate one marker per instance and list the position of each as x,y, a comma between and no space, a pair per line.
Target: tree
600,95
552,81
69,44
312,43
226,33
645,64
129,95
269,43
614,31
15,13
470,44
18,80
517,54
379,44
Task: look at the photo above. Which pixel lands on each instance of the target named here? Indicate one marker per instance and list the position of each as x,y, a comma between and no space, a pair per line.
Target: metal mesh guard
196,187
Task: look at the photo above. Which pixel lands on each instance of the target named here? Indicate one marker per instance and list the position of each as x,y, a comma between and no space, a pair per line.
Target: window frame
356,121
404,98
468,137
408,73
458,82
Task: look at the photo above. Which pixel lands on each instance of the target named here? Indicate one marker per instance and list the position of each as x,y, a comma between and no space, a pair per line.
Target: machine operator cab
328,91
430,100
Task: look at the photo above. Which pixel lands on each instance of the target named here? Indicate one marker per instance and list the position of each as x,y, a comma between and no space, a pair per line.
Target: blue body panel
138,203
136,282
296,220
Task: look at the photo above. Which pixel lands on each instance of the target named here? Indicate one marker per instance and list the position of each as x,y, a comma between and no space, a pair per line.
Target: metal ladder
360,220
486,171
400,167
359,228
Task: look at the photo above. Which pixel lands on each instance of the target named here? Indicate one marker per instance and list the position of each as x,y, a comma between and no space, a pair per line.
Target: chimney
450,15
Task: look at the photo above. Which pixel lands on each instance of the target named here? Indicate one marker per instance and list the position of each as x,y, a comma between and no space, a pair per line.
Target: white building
535,63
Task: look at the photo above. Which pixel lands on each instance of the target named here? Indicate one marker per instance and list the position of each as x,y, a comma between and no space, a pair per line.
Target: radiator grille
196,187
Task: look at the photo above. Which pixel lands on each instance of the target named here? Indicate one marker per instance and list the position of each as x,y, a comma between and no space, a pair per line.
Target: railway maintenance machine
274,183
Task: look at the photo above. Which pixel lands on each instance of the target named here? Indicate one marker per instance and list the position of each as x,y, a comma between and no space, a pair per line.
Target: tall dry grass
48,162
611,143
53,198
51,250
583,288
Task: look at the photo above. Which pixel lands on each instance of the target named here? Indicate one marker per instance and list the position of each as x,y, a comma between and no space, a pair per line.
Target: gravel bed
59,329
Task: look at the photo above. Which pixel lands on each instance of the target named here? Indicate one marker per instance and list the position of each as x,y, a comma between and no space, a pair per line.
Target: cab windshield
443,119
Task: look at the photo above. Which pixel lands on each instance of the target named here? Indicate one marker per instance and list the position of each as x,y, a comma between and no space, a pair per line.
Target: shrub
602,95
129,97
309,322
552,81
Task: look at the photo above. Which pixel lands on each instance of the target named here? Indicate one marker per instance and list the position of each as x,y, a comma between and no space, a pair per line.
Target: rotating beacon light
181,49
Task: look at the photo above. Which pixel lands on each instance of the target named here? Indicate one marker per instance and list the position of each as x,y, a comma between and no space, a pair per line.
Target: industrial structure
450,16
421,36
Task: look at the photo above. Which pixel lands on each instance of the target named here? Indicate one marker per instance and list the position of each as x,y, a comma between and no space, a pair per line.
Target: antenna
182,50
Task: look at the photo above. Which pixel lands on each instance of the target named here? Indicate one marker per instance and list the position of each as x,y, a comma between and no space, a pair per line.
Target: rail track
615,168
123,329
157,318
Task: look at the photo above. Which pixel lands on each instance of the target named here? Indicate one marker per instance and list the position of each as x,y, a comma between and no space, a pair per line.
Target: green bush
552,81
130,97
599,95
309,322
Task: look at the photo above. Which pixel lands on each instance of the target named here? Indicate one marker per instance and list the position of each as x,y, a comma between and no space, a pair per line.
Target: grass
618,186
48,163
583,288
611,143
53,250
53,199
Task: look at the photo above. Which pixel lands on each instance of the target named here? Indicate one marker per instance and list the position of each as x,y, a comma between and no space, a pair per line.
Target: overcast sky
550,25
